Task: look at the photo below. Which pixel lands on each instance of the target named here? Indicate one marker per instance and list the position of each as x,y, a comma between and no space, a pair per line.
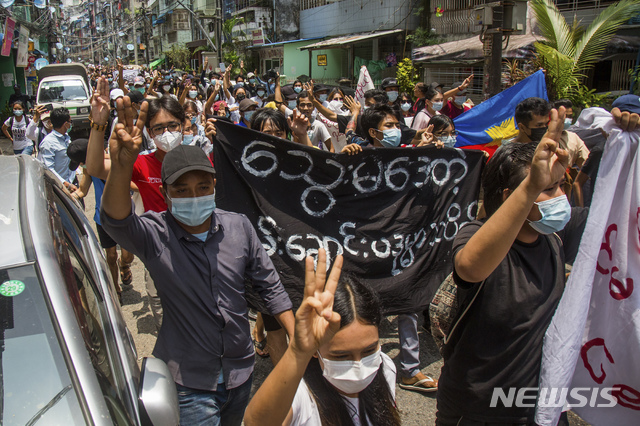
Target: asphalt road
416,409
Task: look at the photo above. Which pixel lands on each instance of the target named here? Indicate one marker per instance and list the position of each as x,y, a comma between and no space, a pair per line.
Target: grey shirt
201,285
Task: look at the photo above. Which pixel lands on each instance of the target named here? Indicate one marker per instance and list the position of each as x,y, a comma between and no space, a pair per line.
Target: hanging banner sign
9,28
22,59
391,212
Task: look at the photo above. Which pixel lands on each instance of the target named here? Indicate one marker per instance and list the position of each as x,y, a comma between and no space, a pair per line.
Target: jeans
26,151
213,408
409,345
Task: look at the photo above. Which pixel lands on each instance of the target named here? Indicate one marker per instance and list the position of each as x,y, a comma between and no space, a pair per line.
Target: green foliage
569,52
588,98
179,56
233,47
407,76
424,37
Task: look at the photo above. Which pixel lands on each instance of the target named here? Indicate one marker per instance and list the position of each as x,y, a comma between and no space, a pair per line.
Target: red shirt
452,111
147,176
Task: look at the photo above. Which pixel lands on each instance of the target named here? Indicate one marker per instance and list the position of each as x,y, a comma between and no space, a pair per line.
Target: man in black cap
390,85
199,258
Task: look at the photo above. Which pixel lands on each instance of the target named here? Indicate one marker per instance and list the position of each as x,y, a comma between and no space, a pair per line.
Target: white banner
364,83
22,59
592,346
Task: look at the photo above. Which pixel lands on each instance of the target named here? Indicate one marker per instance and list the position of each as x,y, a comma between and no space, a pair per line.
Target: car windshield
62,90
35,382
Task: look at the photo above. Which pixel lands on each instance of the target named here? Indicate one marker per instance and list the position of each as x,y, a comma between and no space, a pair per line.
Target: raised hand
40,109
125,143
427,138
299,123
100,102
210,129
550,161
316,323
308,87
466,82
353,105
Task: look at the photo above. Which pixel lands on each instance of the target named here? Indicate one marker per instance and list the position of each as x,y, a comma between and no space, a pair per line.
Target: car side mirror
158,398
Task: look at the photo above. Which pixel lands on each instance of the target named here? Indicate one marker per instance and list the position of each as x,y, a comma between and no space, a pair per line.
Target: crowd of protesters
153,137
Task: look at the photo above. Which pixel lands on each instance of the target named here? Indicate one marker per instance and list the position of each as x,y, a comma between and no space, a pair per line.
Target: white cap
116,93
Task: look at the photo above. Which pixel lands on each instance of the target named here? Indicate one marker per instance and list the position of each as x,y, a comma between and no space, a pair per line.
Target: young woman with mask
333,372
239,94
15,129
194,116
40,126
444,131
336,102
274,123
406,107
164,123
297,86
190,94
433,104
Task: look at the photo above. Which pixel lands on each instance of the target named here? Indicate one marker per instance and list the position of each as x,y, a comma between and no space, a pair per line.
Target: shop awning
343,41
471,49
155,63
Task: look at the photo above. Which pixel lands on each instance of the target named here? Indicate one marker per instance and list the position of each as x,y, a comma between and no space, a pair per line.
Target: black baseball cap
77,153
183,159
389,82
135,96
627,103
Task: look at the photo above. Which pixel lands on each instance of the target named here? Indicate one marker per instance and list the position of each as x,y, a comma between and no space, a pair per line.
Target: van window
62,90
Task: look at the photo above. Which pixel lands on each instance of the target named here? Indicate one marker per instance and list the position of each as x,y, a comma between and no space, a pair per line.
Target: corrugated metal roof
471,48
278,43
349,39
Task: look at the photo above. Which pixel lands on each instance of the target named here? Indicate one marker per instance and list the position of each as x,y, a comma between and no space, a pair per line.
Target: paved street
416,409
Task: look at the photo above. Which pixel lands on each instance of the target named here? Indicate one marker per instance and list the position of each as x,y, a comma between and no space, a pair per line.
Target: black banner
391,212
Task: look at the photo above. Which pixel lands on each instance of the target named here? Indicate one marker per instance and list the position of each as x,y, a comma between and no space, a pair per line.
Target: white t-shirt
304,408
318,134
19,132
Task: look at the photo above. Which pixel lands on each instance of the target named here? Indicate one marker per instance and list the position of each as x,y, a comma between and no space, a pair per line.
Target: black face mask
538,133
240,97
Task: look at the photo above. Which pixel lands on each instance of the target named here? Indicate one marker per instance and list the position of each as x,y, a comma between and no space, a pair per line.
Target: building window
173,37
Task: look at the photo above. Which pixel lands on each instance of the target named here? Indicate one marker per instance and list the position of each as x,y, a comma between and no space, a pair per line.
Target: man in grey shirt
198,257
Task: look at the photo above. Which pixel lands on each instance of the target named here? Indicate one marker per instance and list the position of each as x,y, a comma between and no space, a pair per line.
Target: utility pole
492,48
135,33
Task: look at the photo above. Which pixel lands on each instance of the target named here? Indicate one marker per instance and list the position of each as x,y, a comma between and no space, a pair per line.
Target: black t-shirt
500,343
590,168
407,132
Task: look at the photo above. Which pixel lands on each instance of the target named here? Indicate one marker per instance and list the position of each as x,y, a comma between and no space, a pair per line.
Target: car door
90,304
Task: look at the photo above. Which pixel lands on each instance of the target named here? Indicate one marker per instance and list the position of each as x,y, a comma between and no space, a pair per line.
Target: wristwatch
98,127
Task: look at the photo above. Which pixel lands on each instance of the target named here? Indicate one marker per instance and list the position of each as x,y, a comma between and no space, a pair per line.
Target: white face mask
352,376
168,140
460,99
193,94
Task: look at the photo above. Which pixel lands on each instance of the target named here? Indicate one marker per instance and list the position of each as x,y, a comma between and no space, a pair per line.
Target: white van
67,85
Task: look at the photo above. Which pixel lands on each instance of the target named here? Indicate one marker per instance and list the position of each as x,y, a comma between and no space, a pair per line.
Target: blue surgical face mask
194,120
568,122
292,104
437,106
187,139
248,115
391,138
449,141
406,106
240,83
18,112
322,97
193,211
555,212
297,89
140,89
252,80
393,95
261,93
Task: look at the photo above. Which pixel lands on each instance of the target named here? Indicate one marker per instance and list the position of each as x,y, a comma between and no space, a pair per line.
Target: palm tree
569,52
